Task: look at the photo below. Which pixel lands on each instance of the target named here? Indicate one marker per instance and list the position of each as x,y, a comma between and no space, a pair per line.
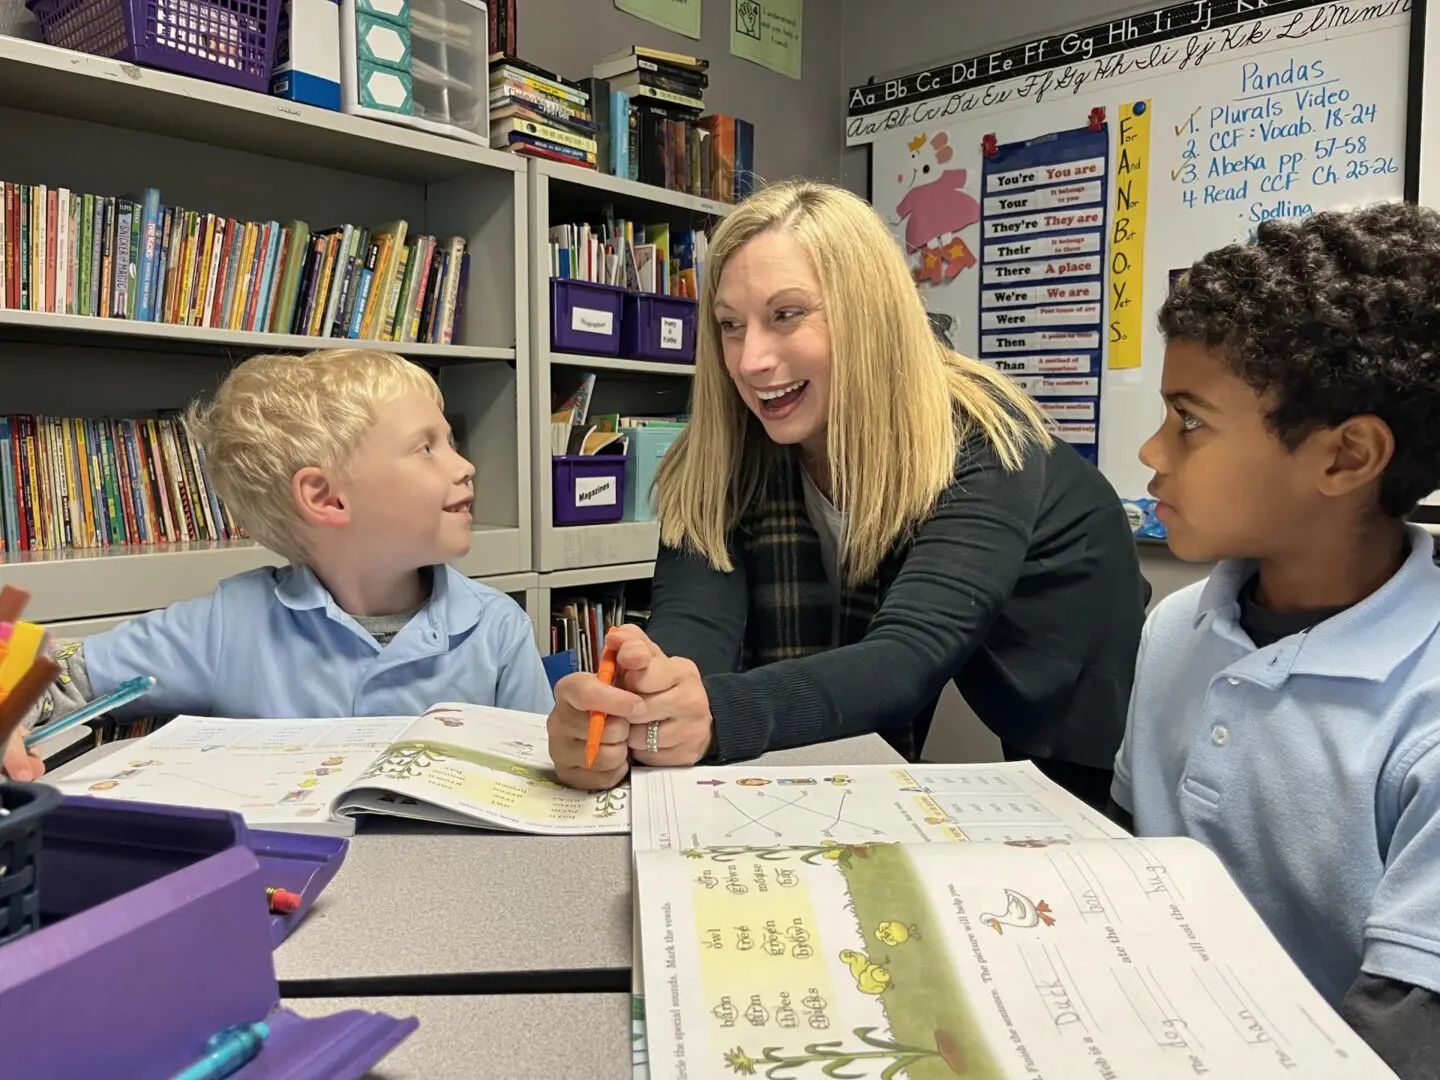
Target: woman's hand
676,727
576,696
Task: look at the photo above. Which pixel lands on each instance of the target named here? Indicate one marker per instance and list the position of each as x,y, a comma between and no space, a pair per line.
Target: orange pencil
606,675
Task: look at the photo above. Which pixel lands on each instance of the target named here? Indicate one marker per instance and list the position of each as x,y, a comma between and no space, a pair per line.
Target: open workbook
797,924
457,764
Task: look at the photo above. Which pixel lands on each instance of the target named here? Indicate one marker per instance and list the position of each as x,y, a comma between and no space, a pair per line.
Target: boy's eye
1188,420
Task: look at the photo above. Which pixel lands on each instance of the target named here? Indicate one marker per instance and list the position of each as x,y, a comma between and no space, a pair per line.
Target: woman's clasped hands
657,713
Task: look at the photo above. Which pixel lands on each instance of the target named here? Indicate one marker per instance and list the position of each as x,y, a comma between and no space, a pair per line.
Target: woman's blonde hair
276,414
901,404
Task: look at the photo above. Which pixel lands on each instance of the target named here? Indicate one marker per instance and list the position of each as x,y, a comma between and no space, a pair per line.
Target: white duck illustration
1020,912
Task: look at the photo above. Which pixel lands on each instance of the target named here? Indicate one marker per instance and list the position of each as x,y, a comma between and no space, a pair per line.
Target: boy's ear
1359,450
319,498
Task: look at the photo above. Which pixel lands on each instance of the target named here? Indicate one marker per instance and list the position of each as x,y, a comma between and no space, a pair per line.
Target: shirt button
1233,681
1219,735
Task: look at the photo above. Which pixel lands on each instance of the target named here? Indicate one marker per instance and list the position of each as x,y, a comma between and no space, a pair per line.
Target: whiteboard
1048,194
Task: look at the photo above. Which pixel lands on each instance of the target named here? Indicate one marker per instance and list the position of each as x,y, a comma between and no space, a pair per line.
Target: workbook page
757,805
480,766
1122,959
273,772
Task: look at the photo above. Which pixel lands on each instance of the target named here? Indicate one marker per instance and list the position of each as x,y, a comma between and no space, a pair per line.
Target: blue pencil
125,693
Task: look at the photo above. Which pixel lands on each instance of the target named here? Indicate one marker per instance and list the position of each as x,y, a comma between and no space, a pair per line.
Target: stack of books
653,130
71,483
72,253
537,113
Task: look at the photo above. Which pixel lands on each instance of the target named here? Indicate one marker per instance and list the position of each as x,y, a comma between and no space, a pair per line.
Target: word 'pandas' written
1289,129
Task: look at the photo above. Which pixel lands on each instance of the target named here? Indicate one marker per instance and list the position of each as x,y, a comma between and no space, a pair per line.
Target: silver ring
652,736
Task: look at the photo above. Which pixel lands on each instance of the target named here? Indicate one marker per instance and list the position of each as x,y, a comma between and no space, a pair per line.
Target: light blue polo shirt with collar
273,643
1311,767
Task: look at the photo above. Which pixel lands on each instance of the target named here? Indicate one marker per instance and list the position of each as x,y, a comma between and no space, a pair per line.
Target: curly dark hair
1334,316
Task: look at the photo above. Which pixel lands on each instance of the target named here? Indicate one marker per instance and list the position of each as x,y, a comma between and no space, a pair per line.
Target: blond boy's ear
318,498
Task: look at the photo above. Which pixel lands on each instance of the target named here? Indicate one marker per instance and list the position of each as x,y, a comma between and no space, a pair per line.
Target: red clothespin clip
989,146
1097,117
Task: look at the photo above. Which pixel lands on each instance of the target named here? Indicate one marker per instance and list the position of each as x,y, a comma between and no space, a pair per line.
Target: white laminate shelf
613,363
59,82
625,188
94,584
93,330
592,547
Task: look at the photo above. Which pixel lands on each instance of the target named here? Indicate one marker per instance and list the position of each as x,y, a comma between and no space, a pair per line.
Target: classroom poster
769,33
1207,117
681,16
1043,274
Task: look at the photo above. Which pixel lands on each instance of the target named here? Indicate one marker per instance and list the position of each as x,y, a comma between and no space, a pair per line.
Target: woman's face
777,342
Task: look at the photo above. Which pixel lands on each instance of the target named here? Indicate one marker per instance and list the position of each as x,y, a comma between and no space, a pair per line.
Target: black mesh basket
25,807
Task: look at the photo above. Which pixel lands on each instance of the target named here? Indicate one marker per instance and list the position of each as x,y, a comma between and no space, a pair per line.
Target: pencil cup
25,808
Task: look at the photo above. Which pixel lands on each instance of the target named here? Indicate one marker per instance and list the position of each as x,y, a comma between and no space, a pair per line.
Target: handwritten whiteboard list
1212,116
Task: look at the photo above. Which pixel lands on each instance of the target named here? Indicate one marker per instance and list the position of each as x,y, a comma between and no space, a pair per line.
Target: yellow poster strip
1127,235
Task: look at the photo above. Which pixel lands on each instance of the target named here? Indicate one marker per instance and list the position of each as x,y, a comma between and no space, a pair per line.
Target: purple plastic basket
25,806
223,41
657,327
585,317
589,489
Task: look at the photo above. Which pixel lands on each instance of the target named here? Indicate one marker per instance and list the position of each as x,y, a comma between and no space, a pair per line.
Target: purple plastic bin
155,935
657,327
223,41
585,317
589,489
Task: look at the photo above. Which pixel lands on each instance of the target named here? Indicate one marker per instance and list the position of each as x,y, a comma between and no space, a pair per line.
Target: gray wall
797,124
881,42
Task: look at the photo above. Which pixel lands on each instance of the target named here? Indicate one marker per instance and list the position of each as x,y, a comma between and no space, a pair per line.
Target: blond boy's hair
901,404
275,415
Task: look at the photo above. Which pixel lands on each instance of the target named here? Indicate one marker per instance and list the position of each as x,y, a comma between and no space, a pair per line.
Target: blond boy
342,462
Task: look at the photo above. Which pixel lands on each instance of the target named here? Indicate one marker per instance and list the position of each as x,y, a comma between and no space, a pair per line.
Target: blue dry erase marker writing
229,1051
125,693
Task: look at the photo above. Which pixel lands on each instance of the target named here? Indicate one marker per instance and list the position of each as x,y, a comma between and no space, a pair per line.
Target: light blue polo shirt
273,643
1311,767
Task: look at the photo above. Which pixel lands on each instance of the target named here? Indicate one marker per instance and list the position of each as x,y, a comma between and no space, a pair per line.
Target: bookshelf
579,555
95,125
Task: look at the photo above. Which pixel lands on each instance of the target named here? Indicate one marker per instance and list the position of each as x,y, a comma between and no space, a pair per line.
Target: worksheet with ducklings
867,940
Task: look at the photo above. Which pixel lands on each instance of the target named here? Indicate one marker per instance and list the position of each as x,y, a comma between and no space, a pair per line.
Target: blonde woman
854,517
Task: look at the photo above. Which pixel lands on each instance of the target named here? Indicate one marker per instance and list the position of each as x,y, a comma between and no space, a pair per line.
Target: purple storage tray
155,935
595,503
656,327
585,317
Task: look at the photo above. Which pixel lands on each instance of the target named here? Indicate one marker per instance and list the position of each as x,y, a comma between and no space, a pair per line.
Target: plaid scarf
792,612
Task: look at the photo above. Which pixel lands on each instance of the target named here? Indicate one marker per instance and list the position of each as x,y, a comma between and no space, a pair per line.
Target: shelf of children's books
588,546
48,328
59,82
612,363
596,575
84,584
625,190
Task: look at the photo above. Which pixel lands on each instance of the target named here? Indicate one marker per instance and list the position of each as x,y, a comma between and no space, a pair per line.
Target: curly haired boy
1286,711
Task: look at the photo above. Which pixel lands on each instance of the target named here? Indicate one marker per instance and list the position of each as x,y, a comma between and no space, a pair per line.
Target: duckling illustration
895,933
870,977
1020,912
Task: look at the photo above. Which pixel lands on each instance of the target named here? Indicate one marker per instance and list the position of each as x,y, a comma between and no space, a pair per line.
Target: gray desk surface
500,1036
408,902
413,900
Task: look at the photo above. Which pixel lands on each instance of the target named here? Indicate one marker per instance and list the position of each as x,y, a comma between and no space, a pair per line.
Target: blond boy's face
408,491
